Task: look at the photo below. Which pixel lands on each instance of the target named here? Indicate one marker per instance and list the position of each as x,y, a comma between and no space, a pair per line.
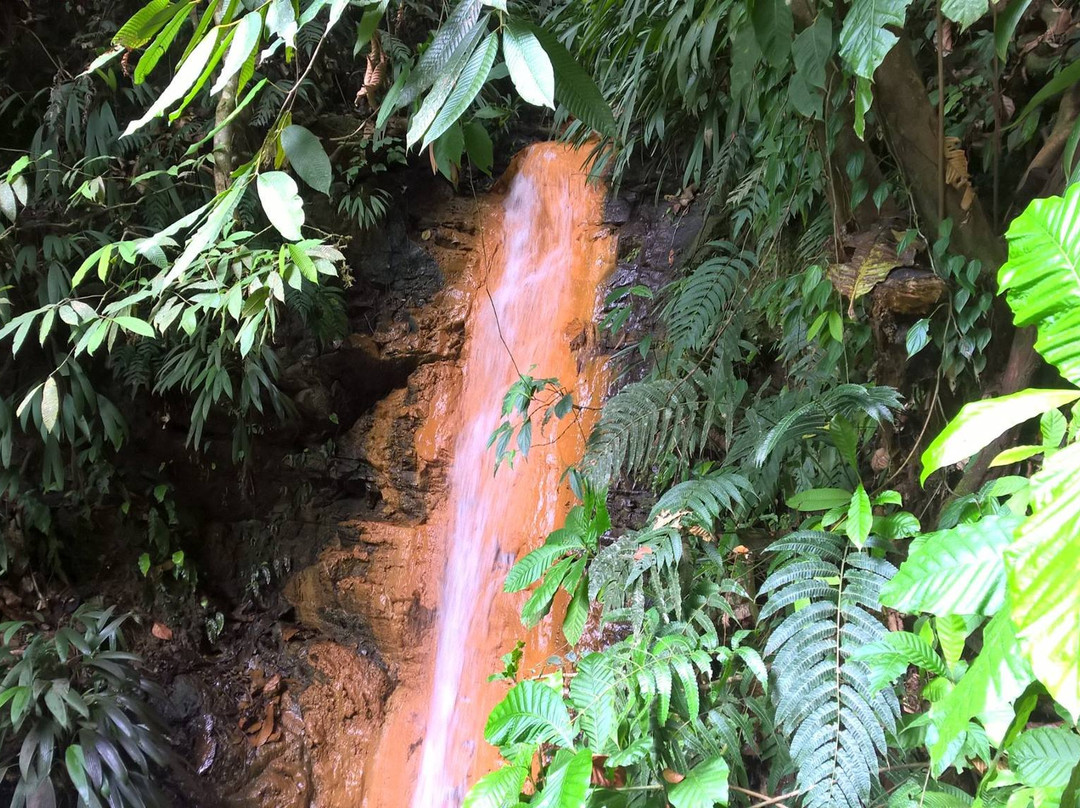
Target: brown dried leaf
956,164
870,264
288,632
161,631
267,728
672,776
272,685
642,552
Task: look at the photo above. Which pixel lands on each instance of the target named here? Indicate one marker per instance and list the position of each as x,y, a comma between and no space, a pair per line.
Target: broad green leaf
774,27
245,38
819,499
481,152
964,12
281,21
152,55
135,326
50,404
146,22
282,203
1044,757
207,233
307,157
528,570
539,603
997,677
865,40
496,790
444,85
567,782
889,658
466,89
860,517
185,77
530,713
1065,79
980,422
1005,26
592,692
7,201
812,50
1042,569
575,88
956,571
704,786
75,762
529,65
1041,279
462,27
304,263
577,612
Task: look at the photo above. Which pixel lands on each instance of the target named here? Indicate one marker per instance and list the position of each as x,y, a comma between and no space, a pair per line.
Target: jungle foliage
781,627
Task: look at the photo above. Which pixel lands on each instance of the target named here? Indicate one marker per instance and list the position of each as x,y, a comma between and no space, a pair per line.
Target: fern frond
835,720
849,401
700,300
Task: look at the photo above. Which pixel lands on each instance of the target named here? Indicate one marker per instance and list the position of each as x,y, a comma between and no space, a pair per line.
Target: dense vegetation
809,614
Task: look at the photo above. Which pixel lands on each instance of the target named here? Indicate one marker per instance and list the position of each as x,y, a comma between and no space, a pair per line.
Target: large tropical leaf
1044,757
998,676
592,692
979,423
574,88
467,87
529,65
956,571
1042,277
501,787
532,713
567,783
704,786
1042,570
865,40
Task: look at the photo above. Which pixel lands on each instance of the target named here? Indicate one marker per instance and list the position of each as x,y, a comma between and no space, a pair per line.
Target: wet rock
185,699
617,211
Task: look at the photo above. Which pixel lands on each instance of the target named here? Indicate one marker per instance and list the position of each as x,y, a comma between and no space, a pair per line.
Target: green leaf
281,21
1042,567
496,790
479,147
890,657
1042,277
461,27
980,422
860,517
75,763
567,782
1005,26
574,87
529,65
185,77
774,27
245,38
539,603
577,612
144,564
997,677
819,499
964,12
135,326
528,570
704,786
468,86
865,40
1044,757
152,55
530,713
7,201
812,49
956,571
146,22
224,205
307,157
1058,84
282,203
50,404
592,692
303,263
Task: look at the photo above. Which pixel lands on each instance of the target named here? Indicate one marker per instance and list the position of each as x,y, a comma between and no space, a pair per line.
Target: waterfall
543,265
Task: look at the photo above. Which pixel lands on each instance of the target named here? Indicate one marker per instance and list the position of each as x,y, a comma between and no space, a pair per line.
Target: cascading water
539,282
